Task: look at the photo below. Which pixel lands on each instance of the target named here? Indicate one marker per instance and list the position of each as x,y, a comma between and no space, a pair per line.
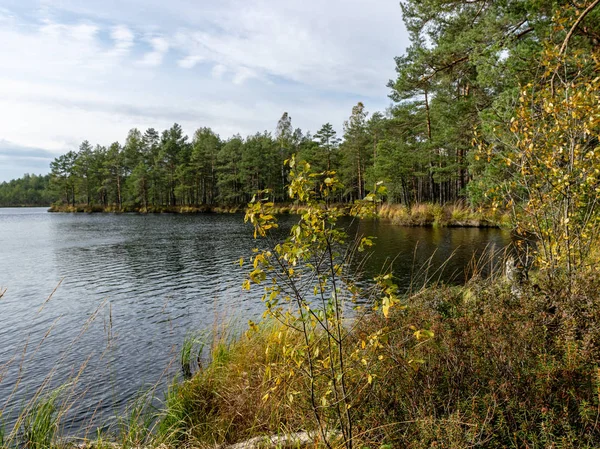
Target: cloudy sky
93,69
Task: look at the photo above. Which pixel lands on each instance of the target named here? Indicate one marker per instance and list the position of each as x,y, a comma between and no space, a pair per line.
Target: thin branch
448,66
576,24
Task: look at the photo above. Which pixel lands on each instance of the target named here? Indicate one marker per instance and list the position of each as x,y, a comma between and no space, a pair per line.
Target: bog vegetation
495,100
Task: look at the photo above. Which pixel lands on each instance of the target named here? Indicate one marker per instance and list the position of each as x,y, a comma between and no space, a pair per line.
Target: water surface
142,282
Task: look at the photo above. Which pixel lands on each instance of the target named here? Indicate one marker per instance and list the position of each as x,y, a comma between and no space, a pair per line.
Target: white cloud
123,38
94,69
342,45
160,47
218,71
66,53
82,32
6,17
242,74
189,62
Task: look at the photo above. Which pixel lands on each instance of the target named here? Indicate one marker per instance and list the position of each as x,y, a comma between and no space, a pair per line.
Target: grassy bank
429,214
426,214
502,370
503,367
83,208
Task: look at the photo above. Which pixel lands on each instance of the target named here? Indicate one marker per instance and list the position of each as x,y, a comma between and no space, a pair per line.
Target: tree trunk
119,190
360,175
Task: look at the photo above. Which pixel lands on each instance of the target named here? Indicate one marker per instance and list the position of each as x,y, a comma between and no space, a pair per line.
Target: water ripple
156,278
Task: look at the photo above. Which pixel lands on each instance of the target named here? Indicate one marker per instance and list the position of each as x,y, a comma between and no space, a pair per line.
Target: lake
133,286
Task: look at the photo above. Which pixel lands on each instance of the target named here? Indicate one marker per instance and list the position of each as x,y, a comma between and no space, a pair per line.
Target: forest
457,86
29,190
154,169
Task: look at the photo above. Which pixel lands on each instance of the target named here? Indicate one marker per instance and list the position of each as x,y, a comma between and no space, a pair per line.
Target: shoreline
420,215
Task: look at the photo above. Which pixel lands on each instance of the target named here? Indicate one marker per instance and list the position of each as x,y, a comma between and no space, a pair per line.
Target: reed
430,214
422,214
40,422
191,353
36,419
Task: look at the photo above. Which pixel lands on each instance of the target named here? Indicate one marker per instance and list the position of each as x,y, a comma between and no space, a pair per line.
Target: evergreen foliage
30,190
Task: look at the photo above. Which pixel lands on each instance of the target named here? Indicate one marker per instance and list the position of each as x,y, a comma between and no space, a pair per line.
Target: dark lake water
132,286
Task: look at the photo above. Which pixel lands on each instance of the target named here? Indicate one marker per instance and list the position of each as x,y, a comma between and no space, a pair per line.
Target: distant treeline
153,169
30,190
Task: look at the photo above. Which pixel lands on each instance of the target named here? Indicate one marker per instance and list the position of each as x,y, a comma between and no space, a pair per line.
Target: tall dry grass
503,369
431,214
43,418
423,214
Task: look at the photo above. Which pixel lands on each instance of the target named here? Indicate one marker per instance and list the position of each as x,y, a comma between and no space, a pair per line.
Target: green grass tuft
40,422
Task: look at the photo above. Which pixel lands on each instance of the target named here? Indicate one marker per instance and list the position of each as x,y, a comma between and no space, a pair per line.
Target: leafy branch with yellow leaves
309,288
553,152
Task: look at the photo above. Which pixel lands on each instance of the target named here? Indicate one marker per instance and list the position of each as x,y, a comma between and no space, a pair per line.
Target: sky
74,70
